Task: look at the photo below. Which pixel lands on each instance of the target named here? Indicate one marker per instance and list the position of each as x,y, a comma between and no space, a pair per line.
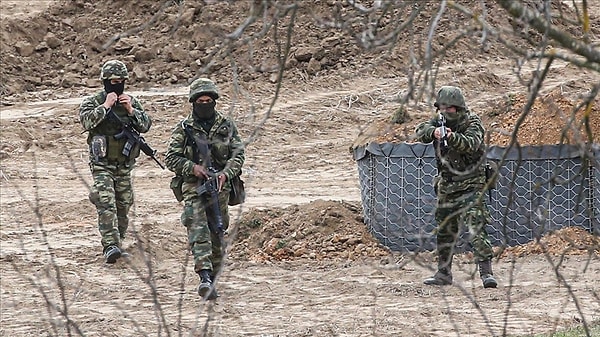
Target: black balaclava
116,88
204,111
204,114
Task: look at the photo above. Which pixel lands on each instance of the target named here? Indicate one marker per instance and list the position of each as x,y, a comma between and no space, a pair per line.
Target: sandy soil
301,261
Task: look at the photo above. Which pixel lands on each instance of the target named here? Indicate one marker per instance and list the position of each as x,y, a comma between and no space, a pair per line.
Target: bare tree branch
518,10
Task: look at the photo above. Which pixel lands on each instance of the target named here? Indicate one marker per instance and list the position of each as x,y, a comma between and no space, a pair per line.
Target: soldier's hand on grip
438,132
199,171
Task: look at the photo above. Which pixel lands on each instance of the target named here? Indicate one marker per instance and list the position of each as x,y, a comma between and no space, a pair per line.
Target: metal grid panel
398,200
533,195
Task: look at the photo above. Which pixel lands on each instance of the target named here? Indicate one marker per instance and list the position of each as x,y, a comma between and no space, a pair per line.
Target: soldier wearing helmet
113,75
205,145
103,115
461,181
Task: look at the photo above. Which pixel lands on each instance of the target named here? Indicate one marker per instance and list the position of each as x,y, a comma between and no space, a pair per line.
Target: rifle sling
200,146
194,144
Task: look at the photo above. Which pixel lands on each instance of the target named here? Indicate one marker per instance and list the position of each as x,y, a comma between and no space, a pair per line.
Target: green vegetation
281,244
253,223
594,331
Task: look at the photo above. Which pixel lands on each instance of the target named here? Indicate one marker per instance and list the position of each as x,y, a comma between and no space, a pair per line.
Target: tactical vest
469,164
219,139
109,128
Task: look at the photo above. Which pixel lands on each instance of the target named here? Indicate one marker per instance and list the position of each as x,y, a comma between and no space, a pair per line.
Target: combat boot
487,276
443,276
206,289
112,254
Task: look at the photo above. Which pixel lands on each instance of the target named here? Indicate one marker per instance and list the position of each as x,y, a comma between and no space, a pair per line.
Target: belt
115,163
457,178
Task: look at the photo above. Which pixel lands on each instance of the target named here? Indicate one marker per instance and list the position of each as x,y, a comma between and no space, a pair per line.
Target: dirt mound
318,230
168,43
553,119
566,241
163,44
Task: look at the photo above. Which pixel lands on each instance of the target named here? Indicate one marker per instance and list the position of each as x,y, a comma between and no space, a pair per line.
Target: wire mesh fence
539,189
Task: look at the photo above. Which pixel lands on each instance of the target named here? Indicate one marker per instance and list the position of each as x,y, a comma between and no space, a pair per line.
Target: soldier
204,128
112,192
460,183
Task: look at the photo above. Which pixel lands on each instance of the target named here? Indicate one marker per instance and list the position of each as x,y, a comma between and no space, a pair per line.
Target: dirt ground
301,261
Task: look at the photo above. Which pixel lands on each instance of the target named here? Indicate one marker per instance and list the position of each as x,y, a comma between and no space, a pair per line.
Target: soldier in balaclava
460,183
103,115
204,145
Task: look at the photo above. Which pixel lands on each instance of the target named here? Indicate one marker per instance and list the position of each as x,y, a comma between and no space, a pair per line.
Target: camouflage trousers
112,194
206,246
463,211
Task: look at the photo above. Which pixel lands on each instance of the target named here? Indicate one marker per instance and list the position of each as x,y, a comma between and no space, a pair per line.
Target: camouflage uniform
227,156
459,184
112,192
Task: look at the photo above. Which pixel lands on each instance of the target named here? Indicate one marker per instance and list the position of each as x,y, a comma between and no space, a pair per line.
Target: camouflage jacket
462,167
226,149
94,118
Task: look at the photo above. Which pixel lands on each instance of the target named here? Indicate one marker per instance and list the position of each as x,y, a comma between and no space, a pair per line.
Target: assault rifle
211,185
133,137
444,134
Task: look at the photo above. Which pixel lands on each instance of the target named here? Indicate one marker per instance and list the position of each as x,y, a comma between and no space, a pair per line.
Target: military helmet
203,86
113,69
450,96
